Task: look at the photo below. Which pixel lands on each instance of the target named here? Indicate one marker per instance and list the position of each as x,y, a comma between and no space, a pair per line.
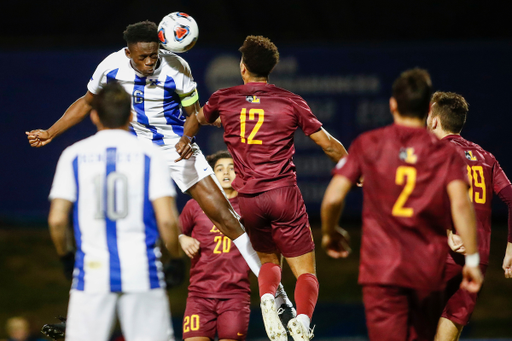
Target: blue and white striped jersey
112,179
156,99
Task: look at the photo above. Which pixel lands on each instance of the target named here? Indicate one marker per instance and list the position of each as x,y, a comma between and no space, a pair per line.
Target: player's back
259,121
114,221
219,270
406,207
485,177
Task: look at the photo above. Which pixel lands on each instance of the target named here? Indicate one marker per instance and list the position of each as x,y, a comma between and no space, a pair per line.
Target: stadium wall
347,86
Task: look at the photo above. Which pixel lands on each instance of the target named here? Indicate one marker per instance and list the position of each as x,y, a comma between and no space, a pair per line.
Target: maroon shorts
276,221
397,313
207,317
460,303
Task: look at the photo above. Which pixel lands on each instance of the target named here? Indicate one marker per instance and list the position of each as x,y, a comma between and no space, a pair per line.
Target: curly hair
259,55
412,91
221,154
144,31
452,110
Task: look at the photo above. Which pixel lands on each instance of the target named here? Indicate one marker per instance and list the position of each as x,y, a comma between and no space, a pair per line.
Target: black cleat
286,313
55,331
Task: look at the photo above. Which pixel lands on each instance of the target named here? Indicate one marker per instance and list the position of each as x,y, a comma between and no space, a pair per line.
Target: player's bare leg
448,330
198,338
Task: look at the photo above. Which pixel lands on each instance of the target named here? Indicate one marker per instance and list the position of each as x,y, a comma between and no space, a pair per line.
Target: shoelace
280,311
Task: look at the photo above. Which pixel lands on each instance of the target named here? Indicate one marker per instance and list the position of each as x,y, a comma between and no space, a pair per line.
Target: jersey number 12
243,120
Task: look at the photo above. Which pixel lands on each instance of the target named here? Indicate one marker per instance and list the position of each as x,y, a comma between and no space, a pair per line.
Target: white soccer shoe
273,327
298,331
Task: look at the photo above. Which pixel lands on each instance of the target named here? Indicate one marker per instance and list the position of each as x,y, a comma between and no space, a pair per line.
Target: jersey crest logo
407,155
252,99
469,155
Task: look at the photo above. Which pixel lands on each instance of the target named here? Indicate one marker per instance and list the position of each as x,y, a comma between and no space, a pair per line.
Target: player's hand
38,138
507,261
471,278
336,244
217,123
184,149
189,245
455,243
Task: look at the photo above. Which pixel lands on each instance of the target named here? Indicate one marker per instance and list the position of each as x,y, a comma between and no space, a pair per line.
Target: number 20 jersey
406,208
486,177
156,103
259,121
112,179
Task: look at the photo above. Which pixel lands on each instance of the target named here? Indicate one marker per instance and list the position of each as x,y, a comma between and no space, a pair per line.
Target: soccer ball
178,32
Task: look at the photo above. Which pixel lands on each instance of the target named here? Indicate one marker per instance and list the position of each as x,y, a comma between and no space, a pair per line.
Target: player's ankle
305,320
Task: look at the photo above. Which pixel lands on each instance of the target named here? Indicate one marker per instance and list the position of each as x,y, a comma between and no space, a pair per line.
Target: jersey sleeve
211,108
99,77
186,84
187,218
457,168
350,165
500,179
160,184
65,179
306,119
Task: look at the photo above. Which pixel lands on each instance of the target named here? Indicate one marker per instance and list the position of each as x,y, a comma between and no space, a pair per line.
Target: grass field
32,284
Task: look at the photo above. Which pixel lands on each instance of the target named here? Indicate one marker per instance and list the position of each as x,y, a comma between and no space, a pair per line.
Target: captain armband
189,99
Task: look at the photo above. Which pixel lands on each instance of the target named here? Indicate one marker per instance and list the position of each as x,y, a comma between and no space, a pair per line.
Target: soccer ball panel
178,32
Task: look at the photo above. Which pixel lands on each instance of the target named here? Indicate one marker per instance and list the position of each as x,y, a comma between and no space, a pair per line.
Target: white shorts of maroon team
144,316
186,173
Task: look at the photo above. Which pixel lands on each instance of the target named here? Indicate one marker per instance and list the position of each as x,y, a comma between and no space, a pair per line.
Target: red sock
269,278
306,294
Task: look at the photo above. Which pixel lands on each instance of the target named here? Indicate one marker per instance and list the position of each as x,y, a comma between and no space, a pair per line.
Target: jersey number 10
117,200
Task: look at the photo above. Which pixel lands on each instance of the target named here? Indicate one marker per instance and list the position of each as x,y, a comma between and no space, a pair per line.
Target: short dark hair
221,154
412,91
113,105
144,31
452,110
259,55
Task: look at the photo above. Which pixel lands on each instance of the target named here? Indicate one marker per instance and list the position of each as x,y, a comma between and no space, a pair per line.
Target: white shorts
187,173
144,316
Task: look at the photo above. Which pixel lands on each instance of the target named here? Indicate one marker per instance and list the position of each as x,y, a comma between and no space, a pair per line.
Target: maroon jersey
259,121
485,177
219,270
406,208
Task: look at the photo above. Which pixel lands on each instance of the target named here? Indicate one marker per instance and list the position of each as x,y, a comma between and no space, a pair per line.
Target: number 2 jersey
485,177
219,270
259,121
406,208
157,99
112,179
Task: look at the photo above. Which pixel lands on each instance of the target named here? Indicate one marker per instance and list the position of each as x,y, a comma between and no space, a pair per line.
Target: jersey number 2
408,175
243,120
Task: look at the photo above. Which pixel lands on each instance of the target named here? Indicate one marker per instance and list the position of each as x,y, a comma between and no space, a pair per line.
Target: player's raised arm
190,129
167,220
463,216
331,146
73,115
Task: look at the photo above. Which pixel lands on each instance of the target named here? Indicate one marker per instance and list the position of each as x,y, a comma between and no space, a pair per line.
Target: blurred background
341,56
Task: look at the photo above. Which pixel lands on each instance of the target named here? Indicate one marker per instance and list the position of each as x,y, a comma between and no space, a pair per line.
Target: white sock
244,245
282,297
265,296
304,319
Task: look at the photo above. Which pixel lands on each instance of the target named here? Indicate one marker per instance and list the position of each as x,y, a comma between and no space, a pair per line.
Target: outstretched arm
73,115
331,147
463,216
334,238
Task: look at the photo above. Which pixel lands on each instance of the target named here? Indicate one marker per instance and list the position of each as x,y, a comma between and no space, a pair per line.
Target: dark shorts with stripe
226,318
397,313
277,221
460,303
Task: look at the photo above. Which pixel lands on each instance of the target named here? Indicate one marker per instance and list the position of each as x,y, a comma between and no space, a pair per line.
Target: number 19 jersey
406,208
112,179
259,121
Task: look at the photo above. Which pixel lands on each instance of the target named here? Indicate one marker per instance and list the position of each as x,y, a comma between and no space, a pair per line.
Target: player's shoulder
113,60
173,61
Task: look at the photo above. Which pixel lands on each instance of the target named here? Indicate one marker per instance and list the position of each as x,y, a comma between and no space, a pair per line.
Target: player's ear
94,117
127,52
393,106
